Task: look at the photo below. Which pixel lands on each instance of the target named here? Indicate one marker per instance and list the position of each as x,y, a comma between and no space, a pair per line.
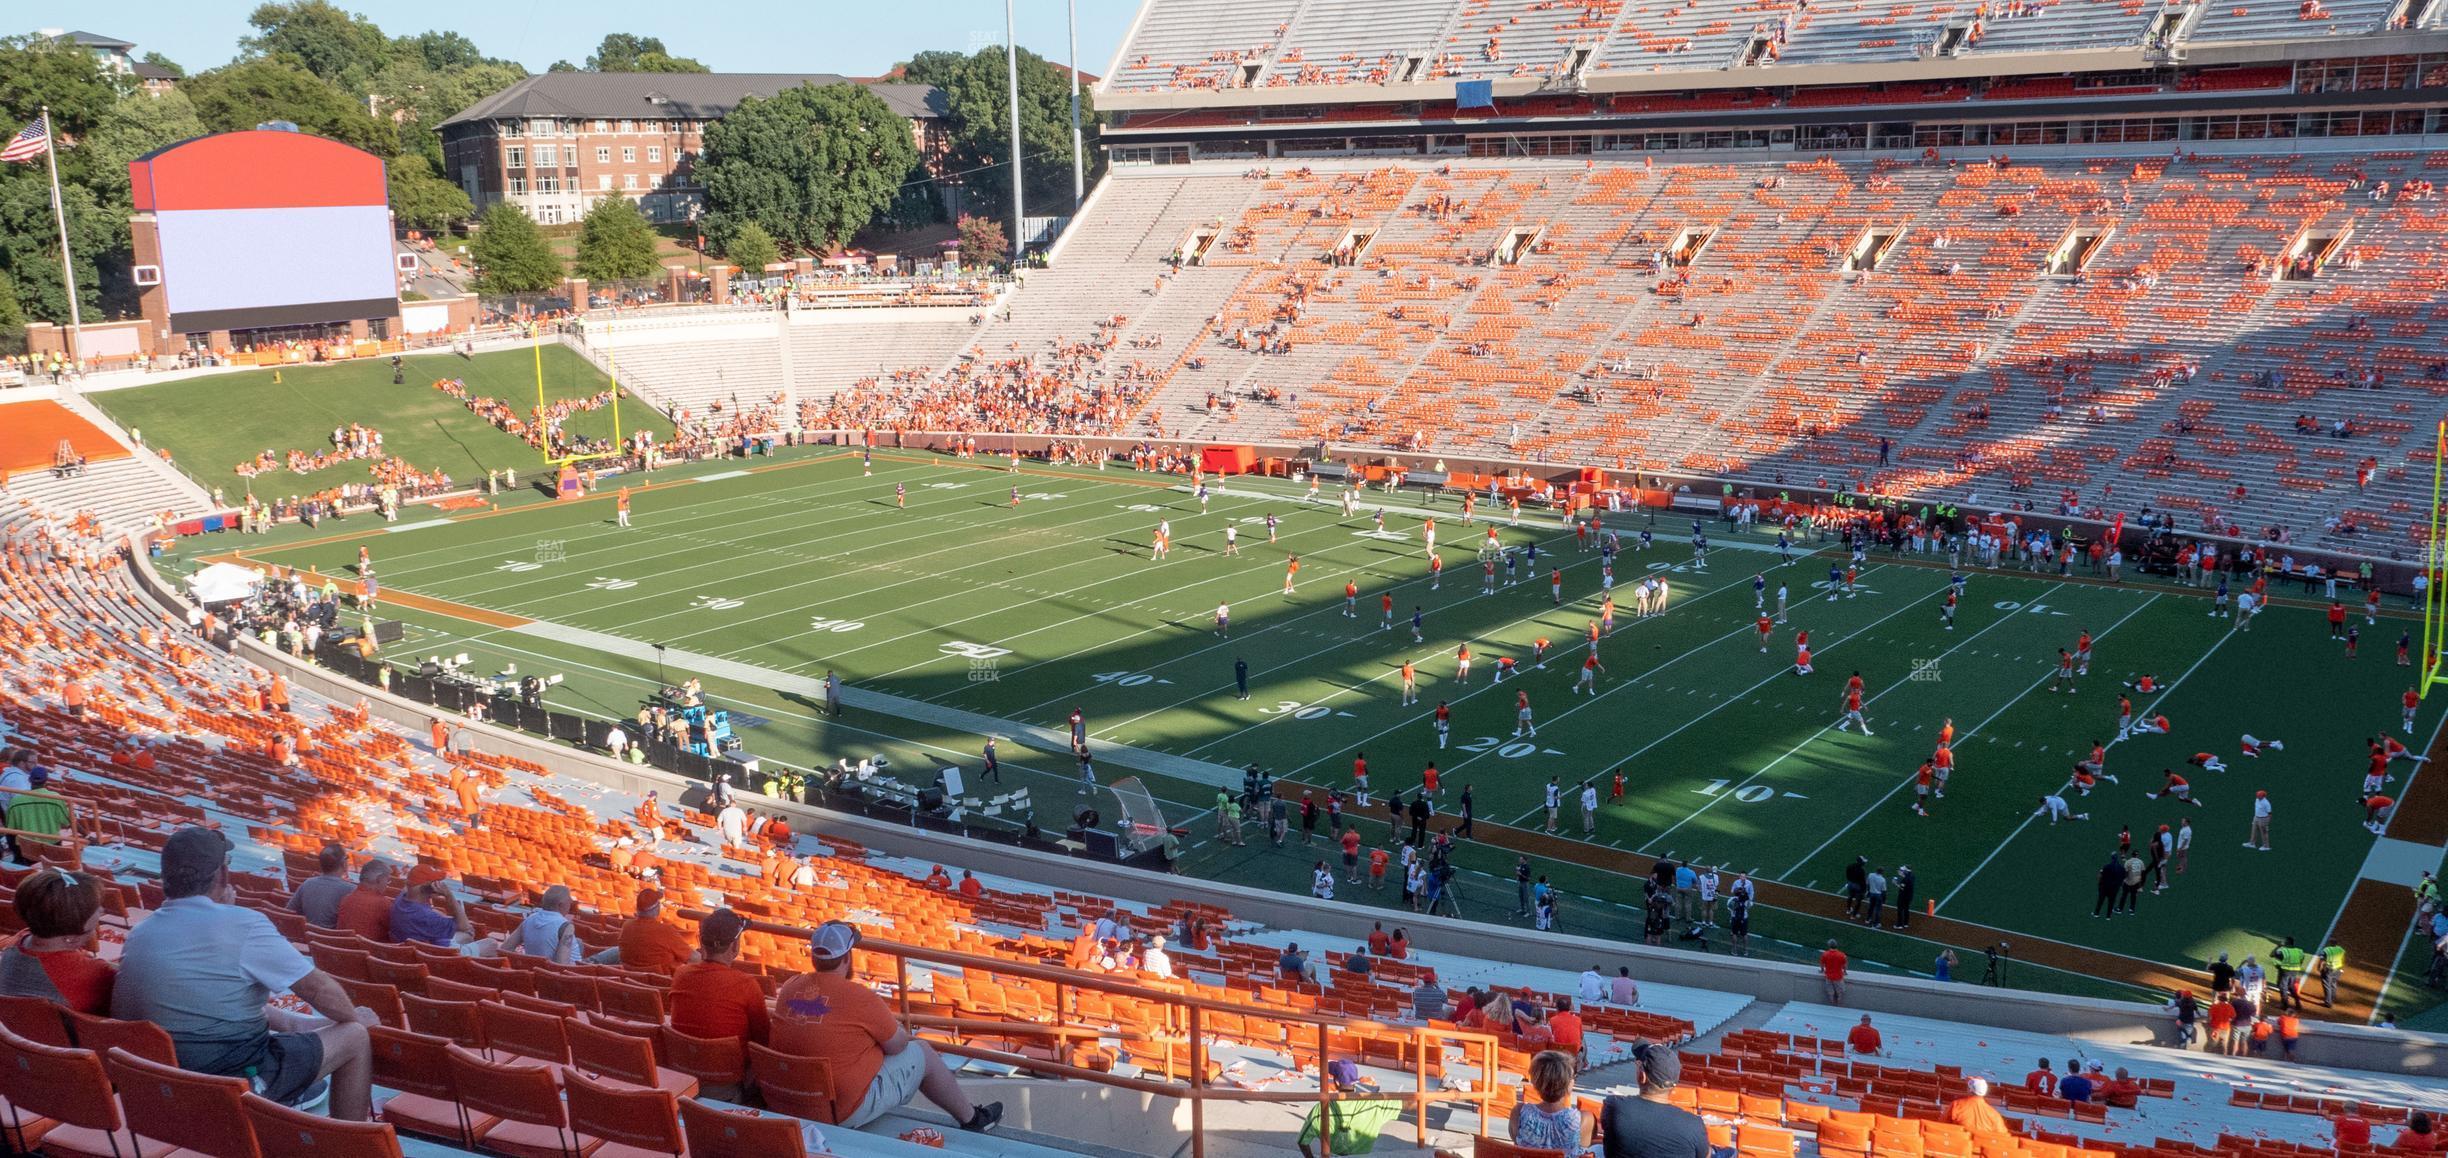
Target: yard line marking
722,474
2045,676
962,591
665,594
693,545
900,707
736,577
1902,607
1325,606
396,528
1065,777
1389,669
1491,684
2164,693
1105,605
454,556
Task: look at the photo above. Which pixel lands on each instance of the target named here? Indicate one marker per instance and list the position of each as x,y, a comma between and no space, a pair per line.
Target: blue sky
854,37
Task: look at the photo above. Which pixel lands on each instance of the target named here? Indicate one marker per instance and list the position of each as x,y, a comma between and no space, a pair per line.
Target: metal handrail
1193,1011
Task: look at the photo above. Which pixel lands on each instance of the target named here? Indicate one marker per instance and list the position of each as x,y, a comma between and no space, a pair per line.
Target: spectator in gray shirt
318,897
1428,1000
202,968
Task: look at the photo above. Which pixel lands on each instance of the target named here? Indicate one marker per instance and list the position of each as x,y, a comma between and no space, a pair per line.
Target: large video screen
244,269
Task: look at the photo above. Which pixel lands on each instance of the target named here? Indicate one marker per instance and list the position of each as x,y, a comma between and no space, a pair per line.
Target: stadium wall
2323,1044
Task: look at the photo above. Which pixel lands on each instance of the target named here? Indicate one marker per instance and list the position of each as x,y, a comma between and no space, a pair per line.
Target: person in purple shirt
426,911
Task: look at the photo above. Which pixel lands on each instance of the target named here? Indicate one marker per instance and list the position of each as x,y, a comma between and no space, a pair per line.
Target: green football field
763,577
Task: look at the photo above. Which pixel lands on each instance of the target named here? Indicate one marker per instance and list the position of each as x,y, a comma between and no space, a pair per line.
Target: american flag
28,143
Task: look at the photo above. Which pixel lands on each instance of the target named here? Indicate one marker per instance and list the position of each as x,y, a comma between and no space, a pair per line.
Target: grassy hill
213,424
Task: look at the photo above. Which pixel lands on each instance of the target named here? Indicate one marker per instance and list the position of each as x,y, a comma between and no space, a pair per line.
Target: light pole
1011,68
1079,163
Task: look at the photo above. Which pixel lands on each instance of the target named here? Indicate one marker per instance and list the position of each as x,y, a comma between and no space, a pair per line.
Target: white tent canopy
222,582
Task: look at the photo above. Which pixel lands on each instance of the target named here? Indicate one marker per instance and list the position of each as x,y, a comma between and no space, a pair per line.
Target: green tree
813,165
35,73
511,254
12,319
248,93
442,51
137,125
982,240
164,63
615,243
29,245
978,115
934,66
338,46
421,200
629,52
752,249
417,97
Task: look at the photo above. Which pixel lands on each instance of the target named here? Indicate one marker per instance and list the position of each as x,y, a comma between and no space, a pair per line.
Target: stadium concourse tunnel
1084,834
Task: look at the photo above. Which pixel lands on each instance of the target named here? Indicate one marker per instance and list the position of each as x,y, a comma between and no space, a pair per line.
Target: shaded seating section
2095,336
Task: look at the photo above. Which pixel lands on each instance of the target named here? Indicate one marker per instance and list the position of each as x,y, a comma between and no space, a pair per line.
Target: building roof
677,95
145,71
93,40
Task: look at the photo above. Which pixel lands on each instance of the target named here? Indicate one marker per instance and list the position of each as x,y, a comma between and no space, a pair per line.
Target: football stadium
1439,608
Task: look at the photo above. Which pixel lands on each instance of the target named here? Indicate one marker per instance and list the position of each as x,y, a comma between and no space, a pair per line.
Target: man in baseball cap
877,1066
649,942
426,910
1648,1126
203,968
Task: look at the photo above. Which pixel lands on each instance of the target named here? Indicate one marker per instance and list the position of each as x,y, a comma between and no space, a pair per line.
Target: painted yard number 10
1751,794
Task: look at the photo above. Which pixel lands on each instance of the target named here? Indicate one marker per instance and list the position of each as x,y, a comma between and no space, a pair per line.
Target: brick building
556,143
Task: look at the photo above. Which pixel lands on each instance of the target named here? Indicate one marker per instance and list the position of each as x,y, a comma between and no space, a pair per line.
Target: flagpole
59,214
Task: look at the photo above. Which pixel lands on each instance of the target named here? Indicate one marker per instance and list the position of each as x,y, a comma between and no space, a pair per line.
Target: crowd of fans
1065,390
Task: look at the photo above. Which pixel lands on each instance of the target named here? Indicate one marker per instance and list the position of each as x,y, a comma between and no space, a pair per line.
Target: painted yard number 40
1750,794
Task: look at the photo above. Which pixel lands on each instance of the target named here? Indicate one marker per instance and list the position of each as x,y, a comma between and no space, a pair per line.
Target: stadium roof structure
1193,54
677,95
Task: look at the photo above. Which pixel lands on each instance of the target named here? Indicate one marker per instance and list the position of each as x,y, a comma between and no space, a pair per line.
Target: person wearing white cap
877,1066
1973,1111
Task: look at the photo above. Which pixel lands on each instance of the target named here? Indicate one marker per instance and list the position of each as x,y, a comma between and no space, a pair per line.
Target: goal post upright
2434,563
612,373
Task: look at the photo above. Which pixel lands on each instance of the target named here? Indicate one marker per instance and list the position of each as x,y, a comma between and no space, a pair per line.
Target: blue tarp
1474,94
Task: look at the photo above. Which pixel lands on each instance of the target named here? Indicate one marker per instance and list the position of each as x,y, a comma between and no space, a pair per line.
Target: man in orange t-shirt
650,943
877,1066
1565,1031
712,997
